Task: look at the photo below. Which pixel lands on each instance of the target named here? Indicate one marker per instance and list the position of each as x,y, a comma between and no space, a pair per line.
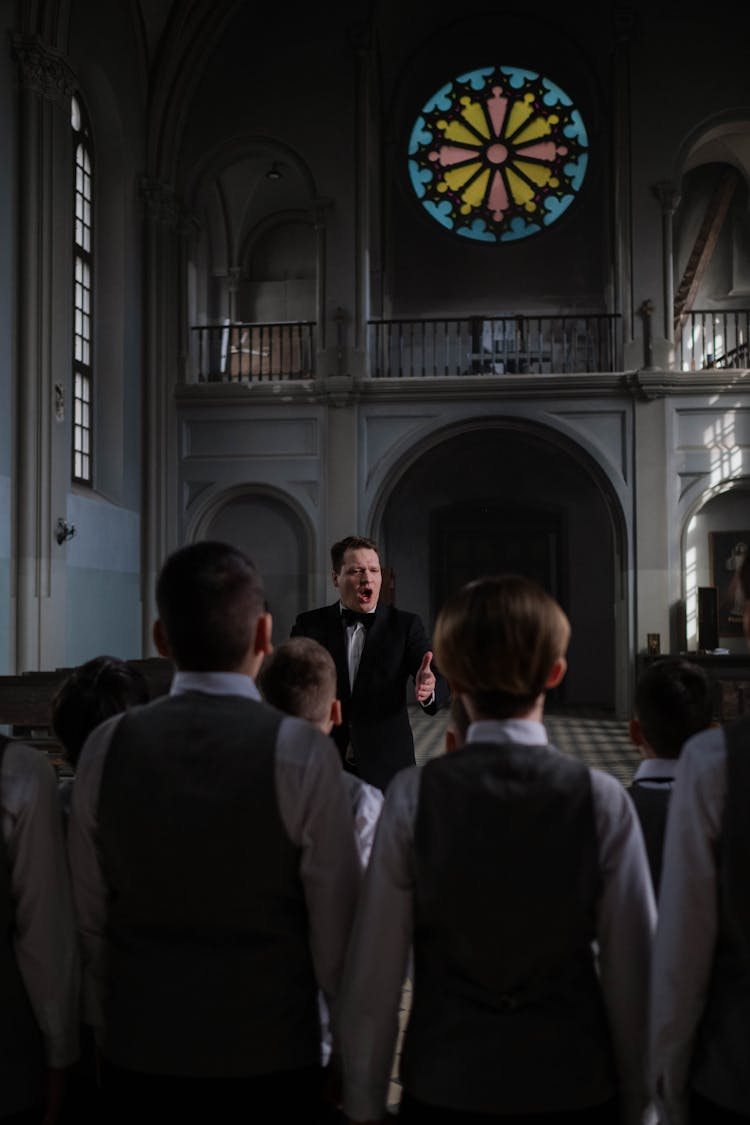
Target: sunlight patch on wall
726,455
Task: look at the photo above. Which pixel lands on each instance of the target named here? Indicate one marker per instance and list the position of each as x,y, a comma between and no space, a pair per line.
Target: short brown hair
497,639
210,598
350,543
299,677
95,691
673,700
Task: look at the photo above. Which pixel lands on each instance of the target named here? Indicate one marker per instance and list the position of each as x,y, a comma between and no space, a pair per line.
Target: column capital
43,69
668,195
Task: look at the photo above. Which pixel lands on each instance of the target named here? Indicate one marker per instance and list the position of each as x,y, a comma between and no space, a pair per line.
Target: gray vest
209,967
21,1045
507,1013
721,1063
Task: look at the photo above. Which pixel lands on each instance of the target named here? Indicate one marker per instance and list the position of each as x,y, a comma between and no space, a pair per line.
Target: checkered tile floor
598,741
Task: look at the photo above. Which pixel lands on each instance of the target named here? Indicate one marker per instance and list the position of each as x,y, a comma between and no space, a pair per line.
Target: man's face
358,581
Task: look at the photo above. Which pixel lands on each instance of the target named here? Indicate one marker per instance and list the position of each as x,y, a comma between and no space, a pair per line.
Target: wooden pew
26,701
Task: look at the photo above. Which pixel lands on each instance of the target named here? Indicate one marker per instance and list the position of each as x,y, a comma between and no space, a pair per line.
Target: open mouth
364,595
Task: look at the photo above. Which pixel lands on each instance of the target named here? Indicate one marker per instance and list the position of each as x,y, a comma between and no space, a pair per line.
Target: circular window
498,154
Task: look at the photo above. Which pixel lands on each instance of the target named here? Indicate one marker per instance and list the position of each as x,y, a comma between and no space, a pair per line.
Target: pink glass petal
545,150
448,155
498,199
497,107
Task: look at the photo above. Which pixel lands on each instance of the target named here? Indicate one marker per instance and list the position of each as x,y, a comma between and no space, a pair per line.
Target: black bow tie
351,617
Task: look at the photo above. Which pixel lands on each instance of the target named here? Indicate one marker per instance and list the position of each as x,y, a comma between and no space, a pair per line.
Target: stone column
165,302
43,352
622,272
669,198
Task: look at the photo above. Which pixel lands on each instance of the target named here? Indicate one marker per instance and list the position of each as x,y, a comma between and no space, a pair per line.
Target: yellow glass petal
457,177
473,112
538,127
520,111
475,192
537,173
458,132
519,189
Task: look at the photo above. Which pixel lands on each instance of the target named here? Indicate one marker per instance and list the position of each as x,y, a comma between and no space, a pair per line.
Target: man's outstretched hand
424,680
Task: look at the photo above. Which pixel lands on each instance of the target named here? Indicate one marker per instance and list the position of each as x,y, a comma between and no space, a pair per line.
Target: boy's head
100,688
211,610
501,642
299,677
672,702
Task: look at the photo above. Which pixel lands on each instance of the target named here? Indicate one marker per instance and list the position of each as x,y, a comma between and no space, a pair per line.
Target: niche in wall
272,534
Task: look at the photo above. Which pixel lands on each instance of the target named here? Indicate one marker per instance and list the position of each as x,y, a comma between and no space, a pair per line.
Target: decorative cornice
539,390
43,69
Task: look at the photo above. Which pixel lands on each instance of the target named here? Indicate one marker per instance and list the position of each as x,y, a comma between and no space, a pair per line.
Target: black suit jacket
375,717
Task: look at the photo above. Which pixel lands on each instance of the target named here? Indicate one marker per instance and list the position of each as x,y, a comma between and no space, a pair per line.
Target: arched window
82,289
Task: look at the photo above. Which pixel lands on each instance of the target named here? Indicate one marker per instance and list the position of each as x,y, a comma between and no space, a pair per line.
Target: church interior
472,281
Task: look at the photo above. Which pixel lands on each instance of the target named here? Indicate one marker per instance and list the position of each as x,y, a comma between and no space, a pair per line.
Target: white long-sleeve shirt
314,809
383,932
44,941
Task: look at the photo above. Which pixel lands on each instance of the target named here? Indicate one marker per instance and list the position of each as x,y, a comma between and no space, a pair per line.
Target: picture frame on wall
726,550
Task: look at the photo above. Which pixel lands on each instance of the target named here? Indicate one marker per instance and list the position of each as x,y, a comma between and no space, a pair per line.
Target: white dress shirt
45,937
688,918
382,935
314,810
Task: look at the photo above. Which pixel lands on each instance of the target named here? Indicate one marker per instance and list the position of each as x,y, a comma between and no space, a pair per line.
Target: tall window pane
82,304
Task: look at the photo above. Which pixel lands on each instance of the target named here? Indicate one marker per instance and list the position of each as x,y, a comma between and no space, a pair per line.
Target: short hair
210,598
497,639
299,677
95,691
351,543
673,700
459,718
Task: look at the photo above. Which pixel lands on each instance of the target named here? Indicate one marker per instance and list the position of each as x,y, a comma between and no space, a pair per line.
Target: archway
275,536
511,496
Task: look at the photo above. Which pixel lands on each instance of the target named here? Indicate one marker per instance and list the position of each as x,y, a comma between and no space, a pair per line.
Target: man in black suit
375,648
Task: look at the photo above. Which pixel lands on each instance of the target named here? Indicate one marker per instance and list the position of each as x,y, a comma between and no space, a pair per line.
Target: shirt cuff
427,702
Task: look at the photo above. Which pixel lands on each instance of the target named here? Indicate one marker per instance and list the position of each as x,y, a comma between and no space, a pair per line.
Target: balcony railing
248,353
460,346
705,338
499,345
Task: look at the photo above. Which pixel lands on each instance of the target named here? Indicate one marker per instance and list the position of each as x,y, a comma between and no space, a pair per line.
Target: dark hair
497,640
673,700
100,688
350,543
210,597
299,677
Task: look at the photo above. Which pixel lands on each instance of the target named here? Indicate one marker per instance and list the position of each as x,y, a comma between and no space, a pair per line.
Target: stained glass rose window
498,154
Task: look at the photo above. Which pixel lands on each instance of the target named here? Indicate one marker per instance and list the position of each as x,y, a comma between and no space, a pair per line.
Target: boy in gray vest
672,703
700,1008
521,878
214,871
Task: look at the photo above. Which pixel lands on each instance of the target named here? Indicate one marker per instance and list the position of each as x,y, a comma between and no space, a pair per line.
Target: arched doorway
512,496
275,537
